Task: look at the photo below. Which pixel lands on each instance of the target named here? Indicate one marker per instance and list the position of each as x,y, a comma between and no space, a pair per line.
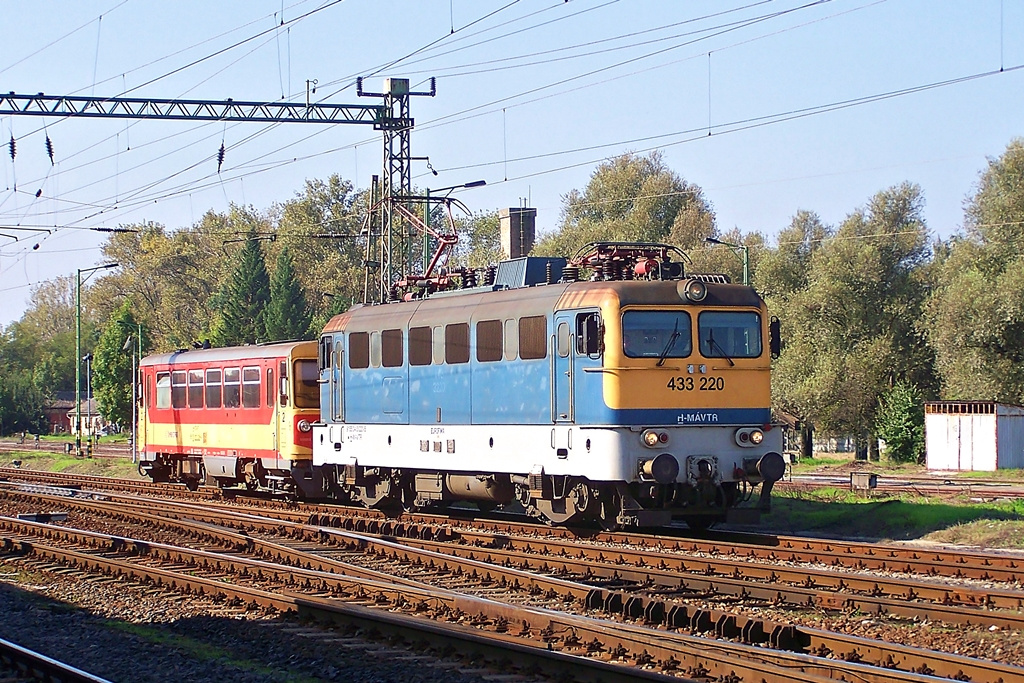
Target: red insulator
645,267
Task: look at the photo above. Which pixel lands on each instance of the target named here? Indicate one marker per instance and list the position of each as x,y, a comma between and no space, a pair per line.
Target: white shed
973,435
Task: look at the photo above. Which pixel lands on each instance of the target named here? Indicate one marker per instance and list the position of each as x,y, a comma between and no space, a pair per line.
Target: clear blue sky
531,95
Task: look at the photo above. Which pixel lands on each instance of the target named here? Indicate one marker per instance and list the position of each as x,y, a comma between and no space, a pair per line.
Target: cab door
562,369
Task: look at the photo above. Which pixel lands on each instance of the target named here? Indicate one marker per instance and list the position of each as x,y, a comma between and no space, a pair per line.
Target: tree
479,240
975,316
287,314
112,365
247,294
631,198
851,330
900,423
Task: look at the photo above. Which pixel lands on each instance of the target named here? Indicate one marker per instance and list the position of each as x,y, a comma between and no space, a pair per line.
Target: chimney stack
518,229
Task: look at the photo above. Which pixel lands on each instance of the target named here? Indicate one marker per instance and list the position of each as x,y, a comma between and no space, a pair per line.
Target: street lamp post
741,250
78,352
137,345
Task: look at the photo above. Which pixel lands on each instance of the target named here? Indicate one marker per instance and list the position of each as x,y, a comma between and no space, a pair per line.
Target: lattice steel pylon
390,238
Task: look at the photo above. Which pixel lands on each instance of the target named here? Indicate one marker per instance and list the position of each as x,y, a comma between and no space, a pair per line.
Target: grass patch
203,651
844,513
60,462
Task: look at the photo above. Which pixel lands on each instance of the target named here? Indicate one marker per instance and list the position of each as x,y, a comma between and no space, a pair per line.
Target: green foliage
112,365
247,295
975,316
900,423
21,403
287,315
631,198
479,240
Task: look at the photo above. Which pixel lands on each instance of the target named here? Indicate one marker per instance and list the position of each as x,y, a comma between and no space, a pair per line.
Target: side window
563,339
251,387
375,349
337,353
270,386
533,337
419,346
488,340
282,391
511,339
391,348
213,388
437,345
195,388
589,334
178,389
358,350
324,357
163,390
456,343
232,388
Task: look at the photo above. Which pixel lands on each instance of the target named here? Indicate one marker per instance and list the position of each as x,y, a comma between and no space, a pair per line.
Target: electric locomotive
232,416
636,397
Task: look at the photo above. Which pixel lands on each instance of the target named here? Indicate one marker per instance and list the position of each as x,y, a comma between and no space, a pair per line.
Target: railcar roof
536,300
230,353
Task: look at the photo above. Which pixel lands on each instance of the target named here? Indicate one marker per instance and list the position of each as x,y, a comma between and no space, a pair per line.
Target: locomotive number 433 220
701,384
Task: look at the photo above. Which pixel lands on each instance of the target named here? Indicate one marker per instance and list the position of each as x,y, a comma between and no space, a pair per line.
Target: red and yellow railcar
229,416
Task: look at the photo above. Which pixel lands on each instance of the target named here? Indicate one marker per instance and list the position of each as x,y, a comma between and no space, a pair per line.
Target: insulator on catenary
12,147
220,157
49,149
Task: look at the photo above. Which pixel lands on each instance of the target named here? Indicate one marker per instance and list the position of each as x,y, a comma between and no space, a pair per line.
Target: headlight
748,437
692,290
652,438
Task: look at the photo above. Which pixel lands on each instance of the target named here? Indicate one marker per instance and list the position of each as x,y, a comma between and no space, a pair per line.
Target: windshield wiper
671,343
712,343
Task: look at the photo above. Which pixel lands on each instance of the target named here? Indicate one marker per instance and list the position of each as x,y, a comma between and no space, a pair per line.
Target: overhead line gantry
389,239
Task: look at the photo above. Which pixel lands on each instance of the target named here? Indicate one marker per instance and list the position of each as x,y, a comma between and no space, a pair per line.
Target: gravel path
129,633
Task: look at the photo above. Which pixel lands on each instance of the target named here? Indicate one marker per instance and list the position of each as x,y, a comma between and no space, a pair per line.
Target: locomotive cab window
656,334
306,389
729,334
589,334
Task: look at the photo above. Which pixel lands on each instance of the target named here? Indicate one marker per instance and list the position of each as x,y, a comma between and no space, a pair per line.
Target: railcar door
562,369
337,381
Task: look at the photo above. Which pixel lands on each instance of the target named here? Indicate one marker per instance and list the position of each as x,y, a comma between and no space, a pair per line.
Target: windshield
729,334
307,389
656,334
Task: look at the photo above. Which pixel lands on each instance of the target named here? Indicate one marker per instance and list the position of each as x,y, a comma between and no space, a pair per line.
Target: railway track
639,584
18,663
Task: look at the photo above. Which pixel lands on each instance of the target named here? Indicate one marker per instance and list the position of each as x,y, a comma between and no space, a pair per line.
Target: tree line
877,314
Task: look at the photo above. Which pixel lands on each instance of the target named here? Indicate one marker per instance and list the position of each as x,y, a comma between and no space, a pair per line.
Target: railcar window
213,388
589,334
437,345
729,334
511,339
251,387
282,390
375,349
306,388
270,387
456,343
232,388
358,350
178,389
488,340
195,388
163,390
337,353
325,351
391,348
656,334
419,346
533,337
